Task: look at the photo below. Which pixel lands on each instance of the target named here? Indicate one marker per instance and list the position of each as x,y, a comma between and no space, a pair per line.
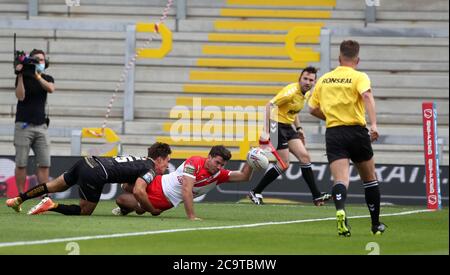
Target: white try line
120,235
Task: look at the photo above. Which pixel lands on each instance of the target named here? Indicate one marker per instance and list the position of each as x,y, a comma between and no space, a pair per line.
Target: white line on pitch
119,235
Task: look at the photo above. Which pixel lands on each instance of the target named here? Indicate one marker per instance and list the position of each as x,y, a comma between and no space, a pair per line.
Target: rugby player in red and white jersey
194,178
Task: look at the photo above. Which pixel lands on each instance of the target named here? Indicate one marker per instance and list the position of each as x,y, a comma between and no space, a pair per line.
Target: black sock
69,210
308,175
339,195
270,176
372,192
34,192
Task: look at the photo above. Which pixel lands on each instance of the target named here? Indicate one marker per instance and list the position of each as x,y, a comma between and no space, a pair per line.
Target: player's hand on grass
195,218
140,211
156,212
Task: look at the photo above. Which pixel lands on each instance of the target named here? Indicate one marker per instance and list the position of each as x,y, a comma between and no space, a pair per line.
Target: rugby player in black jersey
91,174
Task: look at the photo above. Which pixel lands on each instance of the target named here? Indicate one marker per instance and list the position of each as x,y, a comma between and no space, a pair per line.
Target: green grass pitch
226,229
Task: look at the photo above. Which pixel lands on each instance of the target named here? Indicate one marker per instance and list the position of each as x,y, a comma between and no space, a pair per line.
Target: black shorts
348,142
90,177
282,135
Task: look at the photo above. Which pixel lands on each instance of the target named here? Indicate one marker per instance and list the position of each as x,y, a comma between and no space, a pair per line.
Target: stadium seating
228,53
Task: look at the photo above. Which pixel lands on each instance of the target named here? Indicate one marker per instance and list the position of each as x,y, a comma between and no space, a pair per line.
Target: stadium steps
216,63
96,105
353,9
98,114
389,123
87,10
111,74
243,53
261,26
74,36
11,9
180,89
400,48
389,154
149,127
7,123
181,59
234,26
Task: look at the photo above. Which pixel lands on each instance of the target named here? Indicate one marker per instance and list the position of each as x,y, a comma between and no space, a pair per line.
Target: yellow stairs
238,61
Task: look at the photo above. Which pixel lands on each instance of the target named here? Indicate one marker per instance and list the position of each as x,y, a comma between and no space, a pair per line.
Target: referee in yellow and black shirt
341,98
282,115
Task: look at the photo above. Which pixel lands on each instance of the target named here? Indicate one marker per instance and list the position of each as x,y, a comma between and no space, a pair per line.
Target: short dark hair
159,150
221,151
309,69
36,51
350,49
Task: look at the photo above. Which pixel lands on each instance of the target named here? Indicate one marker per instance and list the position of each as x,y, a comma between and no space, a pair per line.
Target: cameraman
31,124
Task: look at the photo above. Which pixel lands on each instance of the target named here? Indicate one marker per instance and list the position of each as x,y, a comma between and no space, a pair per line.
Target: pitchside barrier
400,184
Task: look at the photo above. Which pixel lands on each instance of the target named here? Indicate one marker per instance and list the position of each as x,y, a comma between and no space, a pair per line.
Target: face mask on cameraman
40,68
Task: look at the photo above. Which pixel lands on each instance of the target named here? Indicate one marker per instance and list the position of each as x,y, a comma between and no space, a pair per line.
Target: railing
128,97
33,8
181,11
112,147
371,14
166,47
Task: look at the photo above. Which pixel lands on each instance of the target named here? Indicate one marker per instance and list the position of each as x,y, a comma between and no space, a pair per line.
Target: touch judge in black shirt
31,129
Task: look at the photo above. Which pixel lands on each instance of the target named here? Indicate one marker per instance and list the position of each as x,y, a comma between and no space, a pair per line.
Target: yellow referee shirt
338,94
289,102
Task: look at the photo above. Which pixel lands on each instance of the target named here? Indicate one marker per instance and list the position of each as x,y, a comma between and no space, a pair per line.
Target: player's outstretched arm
188,198
242,176
140,193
